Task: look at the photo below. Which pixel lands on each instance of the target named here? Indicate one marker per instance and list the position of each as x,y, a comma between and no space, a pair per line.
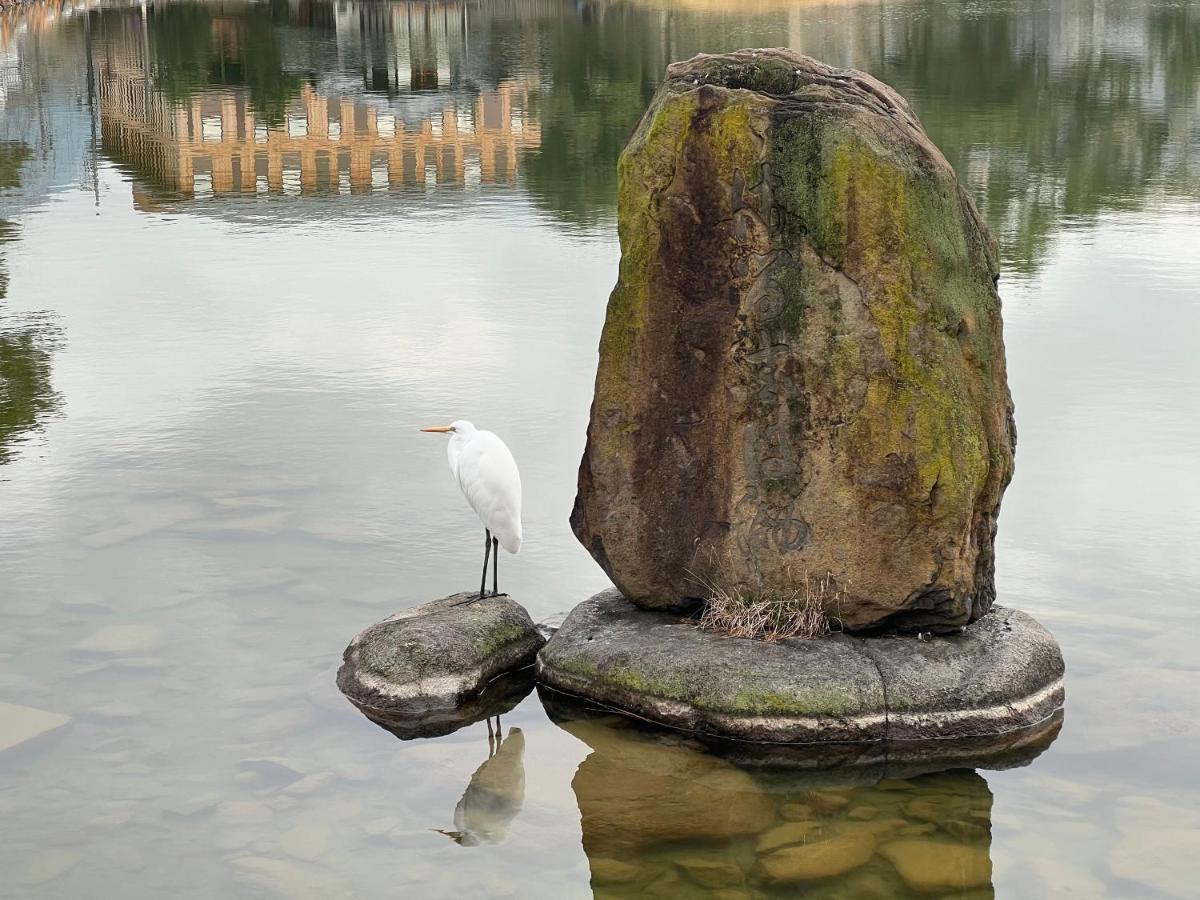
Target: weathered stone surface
438,655
668,670
708,872
933,866
819,859
612,871
1001,677
1003,672
802,368
550,624
21,725
787,833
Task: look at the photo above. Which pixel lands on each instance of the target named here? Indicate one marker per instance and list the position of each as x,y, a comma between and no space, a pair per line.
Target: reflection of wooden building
215,142
326,143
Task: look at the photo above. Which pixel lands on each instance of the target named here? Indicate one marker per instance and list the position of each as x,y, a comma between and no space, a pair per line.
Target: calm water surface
249,248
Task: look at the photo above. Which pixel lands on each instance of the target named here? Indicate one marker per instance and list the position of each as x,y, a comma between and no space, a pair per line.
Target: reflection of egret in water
496,793
663,817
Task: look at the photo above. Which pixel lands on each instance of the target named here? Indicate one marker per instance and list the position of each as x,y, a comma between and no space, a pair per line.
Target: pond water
248,249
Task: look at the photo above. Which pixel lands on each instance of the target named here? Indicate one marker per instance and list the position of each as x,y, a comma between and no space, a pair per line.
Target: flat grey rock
438,655
1002,674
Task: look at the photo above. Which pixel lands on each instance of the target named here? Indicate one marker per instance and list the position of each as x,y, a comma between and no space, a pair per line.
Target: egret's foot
482,596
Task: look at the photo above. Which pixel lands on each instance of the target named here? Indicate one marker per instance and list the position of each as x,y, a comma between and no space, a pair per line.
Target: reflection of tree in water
1047,116
661,818
1058,126
26,396
26,348
13,155
191,54
604,65
1043,120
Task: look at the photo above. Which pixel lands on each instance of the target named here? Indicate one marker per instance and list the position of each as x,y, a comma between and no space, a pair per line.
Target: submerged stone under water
663,818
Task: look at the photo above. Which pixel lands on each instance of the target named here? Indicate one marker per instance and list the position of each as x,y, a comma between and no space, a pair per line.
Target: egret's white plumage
487,475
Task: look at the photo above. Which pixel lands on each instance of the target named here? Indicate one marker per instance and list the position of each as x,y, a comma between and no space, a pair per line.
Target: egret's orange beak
440,429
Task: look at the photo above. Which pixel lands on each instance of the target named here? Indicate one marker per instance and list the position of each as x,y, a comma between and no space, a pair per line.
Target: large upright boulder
801,373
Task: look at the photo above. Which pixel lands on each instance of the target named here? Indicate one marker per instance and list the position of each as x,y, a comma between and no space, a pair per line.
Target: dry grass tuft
773,616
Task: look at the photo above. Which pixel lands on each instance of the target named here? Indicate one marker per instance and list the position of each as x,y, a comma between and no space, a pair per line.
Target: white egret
487,475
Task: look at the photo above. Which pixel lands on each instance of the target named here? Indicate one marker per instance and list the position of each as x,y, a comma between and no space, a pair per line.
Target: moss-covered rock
436,658
802,371
999,681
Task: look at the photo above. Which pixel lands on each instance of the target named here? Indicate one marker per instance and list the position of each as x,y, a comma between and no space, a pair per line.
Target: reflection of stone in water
495,795
661,818
501,696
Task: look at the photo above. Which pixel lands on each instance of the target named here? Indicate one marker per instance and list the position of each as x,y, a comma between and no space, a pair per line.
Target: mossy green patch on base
672,687
760,702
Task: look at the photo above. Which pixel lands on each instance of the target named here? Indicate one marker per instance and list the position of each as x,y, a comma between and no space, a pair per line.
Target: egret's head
459,426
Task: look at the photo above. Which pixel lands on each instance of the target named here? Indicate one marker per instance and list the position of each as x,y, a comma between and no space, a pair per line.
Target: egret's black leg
487,548
495,559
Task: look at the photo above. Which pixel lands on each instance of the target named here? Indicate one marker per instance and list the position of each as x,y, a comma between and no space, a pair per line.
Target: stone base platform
1001,675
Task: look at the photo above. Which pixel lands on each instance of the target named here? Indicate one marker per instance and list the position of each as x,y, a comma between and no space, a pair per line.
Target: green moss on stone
868,214
641,682
646,167
495,639
793,300
733,144
760,702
